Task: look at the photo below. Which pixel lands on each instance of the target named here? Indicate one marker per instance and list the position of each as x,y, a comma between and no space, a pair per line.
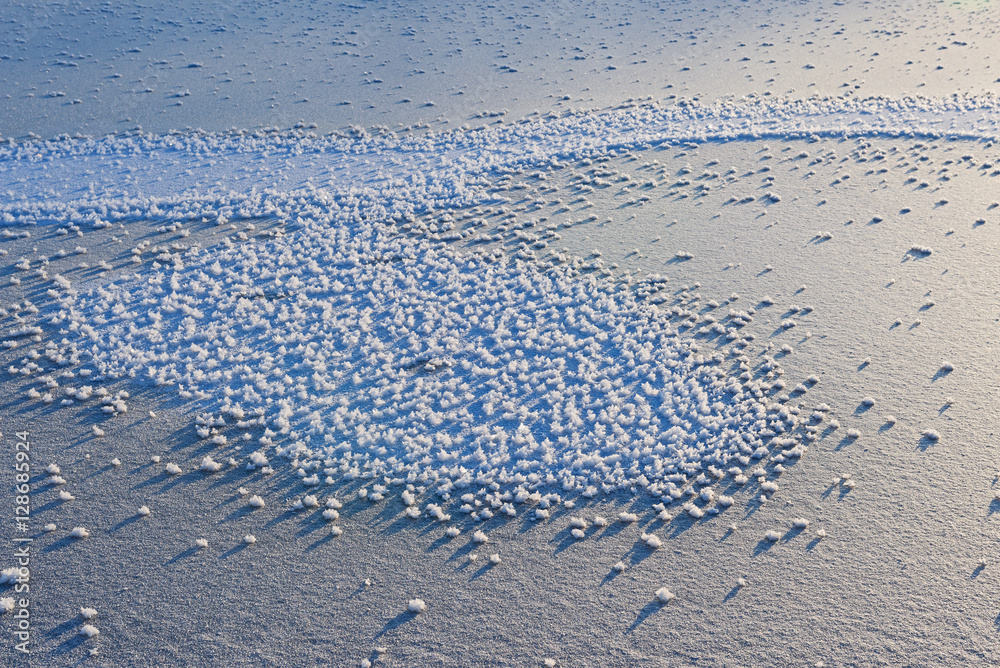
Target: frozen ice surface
426,332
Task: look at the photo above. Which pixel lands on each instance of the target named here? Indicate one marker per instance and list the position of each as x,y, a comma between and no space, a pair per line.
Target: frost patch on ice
356,352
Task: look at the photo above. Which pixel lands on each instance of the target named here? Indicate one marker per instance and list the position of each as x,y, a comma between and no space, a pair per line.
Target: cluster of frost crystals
356,352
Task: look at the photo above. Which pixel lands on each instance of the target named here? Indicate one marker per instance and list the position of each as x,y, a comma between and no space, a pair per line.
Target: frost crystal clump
360,352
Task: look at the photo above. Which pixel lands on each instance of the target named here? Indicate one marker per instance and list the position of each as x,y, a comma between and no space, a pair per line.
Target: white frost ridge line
450,161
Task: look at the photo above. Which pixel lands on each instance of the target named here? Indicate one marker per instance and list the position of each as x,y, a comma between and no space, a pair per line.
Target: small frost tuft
652,540
664,595
209,465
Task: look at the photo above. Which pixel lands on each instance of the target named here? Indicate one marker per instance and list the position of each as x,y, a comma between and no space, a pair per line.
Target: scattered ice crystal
209,465
652,540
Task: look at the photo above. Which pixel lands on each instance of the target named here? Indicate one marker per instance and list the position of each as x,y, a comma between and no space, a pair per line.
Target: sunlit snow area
556,334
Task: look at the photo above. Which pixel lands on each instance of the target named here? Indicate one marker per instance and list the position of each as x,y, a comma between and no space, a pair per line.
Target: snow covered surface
720,274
